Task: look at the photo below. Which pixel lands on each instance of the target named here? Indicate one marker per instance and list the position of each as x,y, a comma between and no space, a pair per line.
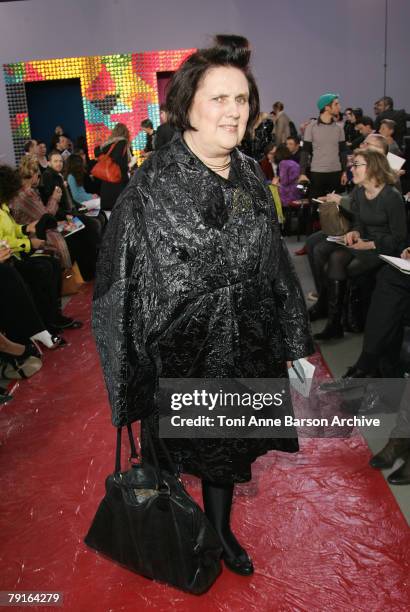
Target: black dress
194,281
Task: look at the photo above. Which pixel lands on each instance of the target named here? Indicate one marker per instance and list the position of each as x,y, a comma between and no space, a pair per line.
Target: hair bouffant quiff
228,50
10,183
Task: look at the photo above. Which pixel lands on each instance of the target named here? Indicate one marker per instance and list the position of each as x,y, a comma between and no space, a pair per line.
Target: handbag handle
134,454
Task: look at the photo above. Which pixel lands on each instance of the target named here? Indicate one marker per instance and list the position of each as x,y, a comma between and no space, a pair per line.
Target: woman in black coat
119,143
194,280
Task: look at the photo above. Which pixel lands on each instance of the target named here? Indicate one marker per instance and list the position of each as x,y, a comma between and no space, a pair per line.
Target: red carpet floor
322,527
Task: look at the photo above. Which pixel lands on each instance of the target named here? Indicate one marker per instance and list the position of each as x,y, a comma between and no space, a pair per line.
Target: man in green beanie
324,144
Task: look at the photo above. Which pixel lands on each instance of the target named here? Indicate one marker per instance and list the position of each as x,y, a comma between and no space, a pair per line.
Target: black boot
353,319
333,329
319,309
217,505
394,449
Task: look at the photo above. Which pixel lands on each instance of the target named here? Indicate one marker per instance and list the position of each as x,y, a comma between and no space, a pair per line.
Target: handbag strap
134,454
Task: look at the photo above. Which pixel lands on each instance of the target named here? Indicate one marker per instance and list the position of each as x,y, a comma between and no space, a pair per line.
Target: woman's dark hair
268,148
228,50
146,123
75,166
10,183
282,152
358,113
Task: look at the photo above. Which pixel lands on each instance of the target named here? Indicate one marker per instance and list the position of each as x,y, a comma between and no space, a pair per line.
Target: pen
297,374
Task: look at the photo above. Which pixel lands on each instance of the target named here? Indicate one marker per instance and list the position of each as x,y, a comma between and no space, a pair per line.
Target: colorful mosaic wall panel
115,88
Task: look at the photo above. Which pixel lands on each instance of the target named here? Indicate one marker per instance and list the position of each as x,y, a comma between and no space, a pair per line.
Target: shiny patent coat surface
194,281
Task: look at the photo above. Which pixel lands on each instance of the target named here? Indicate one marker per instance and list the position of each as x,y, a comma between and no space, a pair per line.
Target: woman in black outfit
379,227
194,280
120,153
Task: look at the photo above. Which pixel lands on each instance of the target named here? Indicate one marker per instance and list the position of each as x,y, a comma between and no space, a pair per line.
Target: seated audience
91,183
41,272
287,180
379,227
350,126
365,126
118,143
83,245
400,117
75,173
148,128
268,164
293,144
42,155
261,135
319,249
27,207
30,147
386,129
165,131
64,146
288,175
19,317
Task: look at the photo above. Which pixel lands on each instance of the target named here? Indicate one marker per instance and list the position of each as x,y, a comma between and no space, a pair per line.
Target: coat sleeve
394,242
121,311
291,307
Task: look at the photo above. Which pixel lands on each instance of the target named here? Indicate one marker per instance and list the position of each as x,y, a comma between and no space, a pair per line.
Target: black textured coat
194,281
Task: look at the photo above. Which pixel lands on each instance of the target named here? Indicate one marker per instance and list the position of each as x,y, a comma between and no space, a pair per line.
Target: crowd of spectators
336,158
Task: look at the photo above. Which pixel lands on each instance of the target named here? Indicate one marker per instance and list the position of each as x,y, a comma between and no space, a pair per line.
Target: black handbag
148,523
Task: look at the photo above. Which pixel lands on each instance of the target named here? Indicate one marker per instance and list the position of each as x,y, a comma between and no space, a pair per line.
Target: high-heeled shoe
30,350
240,564
58,341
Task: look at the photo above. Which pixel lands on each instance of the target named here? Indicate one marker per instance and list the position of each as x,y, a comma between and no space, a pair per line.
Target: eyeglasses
357,164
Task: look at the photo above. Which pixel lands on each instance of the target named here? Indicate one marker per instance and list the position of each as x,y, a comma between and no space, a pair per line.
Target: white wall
302,48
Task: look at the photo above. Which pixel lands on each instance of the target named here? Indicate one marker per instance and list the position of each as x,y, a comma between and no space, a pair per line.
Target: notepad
395,161
397,262
301,376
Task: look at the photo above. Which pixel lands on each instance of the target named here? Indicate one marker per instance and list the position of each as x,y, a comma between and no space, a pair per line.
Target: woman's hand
303,177
289,364
351,238
363,245
5,253
343,179
331,197
36,243
275,180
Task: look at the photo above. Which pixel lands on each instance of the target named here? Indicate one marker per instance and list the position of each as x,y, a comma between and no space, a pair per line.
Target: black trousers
319,251
322,183
383,335
42,274
19,317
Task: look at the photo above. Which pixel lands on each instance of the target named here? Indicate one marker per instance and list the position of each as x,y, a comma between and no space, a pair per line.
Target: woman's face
41,149
359,170
220,110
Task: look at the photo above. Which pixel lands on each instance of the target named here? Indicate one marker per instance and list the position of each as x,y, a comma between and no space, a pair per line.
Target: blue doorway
52,103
